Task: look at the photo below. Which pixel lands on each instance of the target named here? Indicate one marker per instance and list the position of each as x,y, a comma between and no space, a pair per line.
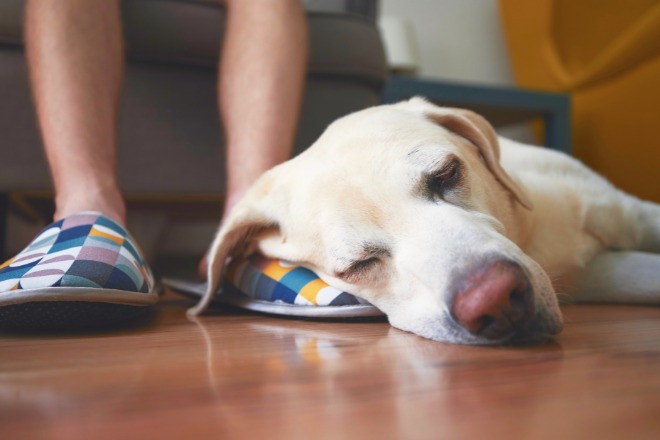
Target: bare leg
262,74
75,53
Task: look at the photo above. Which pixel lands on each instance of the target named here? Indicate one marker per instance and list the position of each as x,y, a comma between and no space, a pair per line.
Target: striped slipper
275,287
82,271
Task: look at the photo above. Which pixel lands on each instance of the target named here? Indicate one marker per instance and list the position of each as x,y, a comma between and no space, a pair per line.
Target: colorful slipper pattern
272,280
275,287
85,257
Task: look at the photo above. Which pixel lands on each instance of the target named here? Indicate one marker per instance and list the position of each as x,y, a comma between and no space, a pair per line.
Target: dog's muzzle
494,301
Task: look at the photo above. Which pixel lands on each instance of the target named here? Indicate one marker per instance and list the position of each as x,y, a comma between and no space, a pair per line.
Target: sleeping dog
456,234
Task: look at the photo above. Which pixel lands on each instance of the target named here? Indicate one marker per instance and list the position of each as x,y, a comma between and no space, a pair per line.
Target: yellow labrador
457,235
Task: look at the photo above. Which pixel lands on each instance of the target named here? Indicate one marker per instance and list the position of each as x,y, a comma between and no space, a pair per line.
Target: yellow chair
606,55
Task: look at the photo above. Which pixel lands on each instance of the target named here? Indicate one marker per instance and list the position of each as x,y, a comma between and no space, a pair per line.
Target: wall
459,40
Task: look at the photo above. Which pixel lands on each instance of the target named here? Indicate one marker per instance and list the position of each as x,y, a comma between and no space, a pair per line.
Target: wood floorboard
238,375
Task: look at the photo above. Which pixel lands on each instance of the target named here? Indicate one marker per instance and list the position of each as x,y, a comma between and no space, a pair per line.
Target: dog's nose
494,300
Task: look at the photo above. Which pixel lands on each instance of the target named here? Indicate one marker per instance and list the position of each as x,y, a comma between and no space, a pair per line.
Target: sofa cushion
169,109
189,33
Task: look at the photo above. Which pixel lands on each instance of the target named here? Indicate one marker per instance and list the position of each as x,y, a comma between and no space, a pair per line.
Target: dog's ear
252,215
479,132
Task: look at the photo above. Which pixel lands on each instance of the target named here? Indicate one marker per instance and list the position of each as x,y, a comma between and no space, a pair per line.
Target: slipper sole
70,308
48,316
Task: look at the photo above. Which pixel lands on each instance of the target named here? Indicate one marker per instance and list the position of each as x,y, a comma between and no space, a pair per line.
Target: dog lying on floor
455,234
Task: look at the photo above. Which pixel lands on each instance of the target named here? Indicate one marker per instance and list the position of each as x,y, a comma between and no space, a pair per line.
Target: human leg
261,81
260,87
75,55
84,269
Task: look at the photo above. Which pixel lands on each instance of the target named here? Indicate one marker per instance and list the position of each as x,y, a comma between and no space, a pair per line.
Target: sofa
170,141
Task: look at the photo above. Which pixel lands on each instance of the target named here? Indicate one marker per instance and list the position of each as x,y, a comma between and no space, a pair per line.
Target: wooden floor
235,375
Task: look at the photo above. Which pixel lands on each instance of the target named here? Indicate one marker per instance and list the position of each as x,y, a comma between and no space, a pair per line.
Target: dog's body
411,207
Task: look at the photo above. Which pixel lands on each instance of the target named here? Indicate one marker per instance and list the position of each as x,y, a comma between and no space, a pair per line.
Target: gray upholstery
170,141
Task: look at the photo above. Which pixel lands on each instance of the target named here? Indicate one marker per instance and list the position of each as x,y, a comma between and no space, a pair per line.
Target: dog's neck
523,219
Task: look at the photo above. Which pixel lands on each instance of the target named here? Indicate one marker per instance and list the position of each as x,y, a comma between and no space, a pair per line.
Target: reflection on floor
236,375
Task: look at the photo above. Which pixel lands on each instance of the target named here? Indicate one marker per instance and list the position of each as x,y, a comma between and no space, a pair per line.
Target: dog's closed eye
358,269
439,182
372,257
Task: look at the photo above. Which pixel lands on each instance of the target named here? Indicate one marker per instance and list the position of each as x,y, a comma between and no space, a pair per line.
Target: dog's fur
369,209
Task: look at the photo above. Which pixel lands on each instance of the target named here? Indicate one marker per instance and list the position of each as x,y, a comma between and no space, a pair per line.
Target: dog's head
408,207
